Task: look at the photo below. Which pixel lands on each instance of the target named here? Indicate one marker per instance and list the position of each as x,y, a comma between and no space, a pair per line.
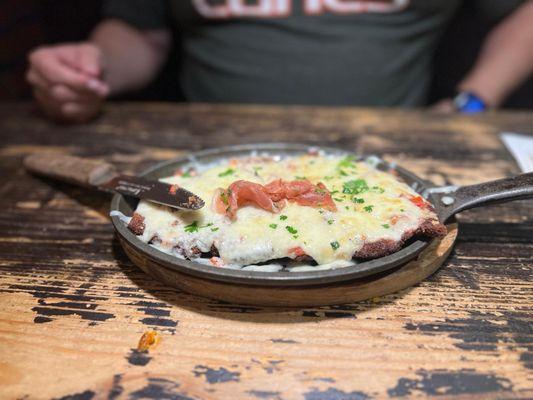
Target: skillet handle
449,203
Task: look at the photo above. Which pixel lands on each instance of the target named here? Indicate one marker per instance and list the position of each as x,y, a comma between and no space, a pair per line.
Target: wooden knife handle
80,171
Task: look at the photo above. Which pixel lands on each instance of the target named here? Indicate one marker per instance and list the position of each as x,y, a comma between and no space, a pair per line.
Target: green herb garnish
227,172
358,200
342,173
356,186
347,162
291,230
192,227
378,189
224,198
273,226
386,226
187,174
330,222
368,208
283,217
338,199
214,229
335,245
300,178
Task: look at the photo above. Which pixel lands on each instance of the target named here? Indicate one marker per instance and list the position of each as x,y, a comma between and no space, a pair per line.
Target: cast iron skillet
447,201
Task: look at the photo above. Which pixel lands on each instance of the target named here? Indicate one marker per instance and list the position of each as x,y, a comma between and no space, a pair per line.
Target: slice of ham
271,197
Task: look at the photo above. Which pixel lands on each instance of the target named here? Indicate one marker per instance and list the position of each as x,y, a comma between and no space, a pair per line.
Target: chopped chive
283,217
358,200
402,210
224,198
191,227
187,174
369,208
346,207
300,178
355,186
214,229
386,226
328,178
291,230
227,172
347,162
330,222
333,192
295,237
337,199
335,245
273,226
342,173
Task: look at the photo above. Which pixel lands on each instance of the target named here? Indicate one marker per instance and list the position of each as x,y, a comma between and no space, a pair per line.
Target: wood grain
73,307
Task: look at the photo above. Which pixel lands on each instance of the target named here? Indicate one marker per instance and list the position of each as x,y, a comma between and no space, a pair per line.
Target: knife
104,176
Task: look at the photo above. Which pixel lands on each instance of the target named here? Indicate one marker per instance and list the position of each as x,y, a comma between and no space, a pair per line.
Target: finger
83,58
34,78
56,72
98,87
49,107
79,112
63,94
90,60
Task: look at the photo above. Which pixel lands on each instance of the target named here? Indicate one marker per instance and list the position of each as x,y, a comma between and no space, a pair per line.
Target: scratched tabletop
73,307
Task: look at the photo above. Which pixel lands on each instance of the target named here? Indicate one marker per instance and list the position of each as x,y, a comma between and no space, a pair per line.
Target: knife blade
103,176
155,191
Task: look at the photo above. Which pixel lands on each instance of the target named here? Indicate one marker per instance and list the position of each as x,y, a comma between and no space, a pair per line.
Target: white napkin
521,147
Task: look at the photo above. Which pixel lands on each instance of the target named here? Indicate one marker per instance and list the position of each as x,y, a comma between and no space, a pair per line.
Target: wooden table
73,307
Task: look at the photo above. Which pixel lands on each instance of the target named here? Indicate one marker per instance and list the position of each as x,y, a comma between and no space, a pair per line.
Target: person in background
323,52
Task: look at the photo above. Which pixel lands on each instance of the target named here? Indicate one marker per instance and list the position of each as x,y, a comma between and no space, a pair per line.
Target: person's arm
131,58
506,60
71,81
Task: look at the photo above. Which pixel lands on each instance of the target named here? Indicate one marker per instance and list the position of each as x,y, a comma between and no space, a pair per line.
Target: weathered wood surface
73,307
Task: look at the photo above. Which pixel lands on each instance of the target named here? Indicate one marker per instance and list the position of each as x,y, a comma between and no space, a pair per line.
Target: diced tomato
271,197
297,251
418,201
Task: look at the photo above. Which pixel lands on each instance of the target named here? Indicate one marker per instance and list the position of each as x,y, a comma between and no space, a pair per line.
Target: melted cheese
380,209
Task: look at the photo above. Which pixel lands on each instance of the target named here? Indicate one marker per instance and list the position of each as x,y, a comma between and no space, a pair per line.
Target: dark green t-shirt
334,52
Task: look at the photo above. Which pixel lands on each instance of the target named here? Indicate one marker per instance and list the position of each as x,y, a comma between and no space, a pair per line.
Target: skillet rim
260,278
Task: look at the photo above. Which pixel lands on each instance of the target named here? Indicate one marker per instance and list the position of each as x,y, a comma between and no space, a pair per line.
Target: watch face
467,102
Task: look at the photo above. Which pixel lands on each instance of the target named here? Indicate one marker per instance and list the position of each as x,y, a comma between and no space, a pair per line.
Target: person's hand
67,81
444,106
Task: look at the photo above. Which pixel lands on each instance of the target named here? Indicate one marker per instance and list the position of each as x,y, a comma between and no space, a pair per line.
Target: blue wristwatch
469,103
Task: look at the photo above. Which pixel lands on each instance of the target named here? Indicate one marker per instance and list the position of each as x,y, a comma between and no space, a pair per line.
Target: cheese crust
375,214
